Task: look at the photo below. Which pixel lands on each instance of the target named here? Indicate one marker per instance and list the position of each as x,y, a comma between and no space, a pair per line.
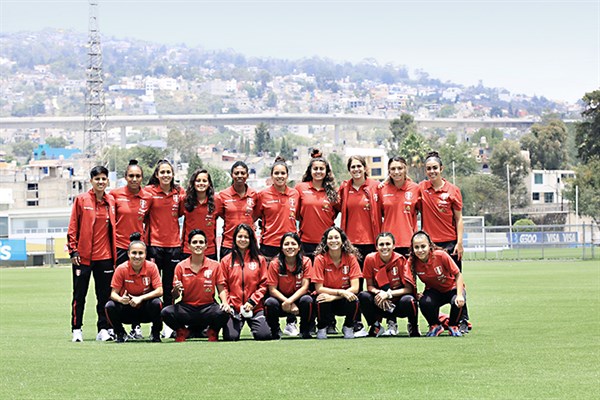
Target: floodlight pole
509,208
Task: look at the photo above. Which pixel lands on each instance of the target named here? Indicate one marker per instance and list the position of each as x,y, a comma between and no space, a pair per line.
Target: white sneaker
361,333
136,333
111,332
168,332
348,332
392,329
322,333
77,335
103,335
291,329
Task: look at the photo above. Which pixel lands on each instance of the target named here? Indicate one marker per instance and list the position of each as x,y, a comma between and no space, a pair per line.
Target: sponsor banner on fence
13,250
544,237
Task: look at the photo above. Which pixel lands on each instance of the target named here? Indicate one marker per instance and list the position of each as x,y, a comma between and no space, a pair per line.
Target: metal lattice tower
95,107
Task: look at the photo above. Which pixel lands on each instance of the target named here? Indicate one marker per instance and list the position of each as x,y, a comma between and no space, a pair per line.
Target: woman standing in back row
317,203
441,215
163,224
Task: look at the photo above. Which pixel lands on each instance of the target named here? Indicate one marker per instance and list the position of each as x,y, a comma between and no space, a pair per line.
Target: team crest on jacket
438,270
394,271
444,196
408,195
208,273
250,202
292,202
252,266
143,203
346,269
146,281
175,198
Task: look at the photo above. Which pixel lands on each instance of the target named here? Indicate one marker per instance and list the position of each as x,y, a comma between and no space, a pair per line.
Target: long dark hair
191,197
328,181
154,179
413,257
347,246
281,256
252,248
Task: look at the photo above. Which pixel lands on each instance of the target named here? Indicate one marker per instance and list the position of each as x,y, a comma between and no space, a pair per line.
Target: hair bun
135,236
316,153
133,162
433,154
279,159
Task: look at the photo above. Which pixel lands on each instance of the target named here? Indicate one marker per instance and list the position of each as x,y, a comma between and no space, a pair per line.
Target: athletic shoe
435,330
464,326
103,336
360,333
306,335
169,333
111,332
136,333
155,338
331,329
181,334
376,330
212,335
291,329
453,331
322,333
121,338
348,332
413,330
392,328
77,335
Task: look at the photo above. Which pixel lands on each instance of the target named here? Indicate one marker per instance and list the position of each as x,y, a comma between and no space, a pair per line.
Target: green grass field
536,335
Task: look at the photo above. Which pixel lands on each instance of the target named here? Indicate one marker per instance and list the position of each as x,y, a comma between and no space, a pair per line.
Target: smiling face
357,170
99,183
134,176
385,247
239,175
201,183
198,244
165,175
334,240
242,240
421,247
290,247
137,255
433,169
318,170
279,176
397,171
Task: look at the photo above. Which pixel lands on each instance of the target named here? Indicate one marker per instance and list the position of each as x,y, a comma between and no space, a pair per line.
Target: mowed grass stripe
536,335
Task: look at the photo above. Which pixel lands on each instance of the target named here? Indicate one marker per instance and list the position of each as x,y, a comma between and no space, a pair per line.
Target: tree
587,135
183,143
414,149
547,145
492,136
194,164
587,180
262,139
485,195
508,153
460,153
285,150
57,142
24,148
337,167
147,158
400,128
221,179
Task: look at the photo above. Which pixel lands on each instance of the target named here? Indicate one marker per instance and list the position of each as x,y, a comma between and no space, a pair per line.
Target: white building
547,186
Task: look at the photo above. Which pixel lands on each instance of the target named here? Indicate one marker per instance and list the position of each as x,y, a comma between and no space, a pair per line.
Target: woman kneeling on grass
390,288
436,269
136,290
288,277
336,276
195,280
242,285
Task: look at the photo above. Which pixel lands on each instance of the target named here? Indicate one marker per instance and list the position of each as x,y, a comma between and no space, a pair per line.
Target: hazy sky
549,48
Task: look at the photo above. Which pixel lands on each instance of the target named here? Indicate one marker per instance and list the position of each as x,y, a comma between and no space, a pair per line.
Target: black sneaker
306,335
155,338
121,338
413,330
376,330
464,326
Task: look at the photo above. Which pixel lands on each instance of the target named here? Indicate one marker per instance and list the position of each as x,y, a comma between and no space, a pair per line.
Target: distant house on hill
45,152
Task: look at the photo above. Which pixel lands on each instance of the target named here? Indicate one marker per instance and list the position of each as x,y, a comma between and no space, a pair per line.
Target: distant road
75,123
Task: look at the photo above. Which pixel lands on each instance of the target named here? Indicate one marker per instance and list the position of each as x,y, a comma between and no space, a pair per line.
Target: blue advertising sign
544,237
13,250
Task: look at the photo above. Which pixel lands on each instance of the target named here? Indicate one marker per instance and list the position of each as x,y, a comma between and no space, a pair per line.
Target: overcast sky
549,48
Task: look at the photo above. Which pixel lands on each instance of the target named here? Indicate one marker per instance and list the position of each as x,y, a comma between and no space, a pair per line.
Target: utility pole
94,138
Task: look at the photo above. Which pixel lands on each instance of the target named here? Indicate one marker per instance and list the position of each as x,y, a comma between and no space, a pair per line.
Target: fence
531,242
